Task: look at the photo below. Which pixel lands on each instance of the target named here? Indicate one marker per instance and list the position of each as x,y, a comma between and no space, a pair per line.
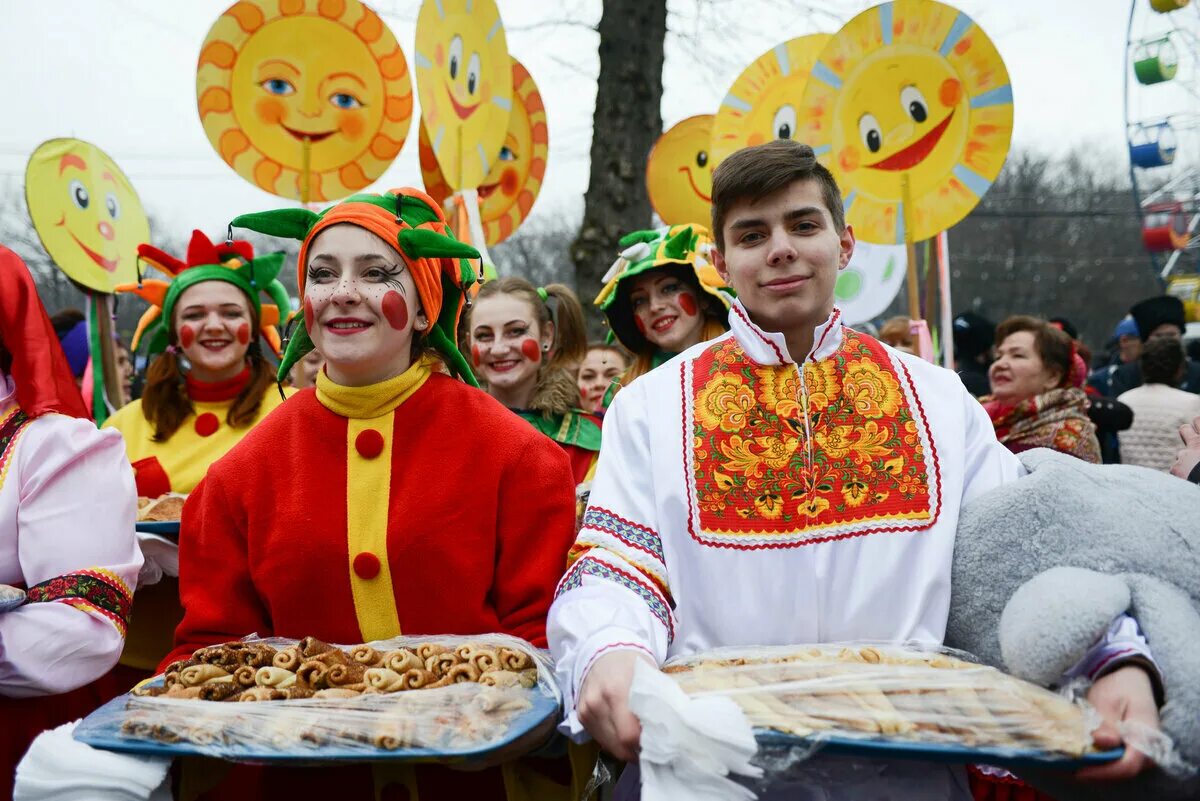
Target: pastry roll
198,674
384,679
244,676
428,649
366,655
403,661
262,694
312,674
289,659
440,664
275,677
514,659
344,675
336,692
417,679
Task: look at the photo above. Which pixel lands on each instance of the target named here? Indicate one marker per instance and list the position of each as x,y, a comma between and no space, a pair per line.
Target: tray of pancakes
889,701
417,699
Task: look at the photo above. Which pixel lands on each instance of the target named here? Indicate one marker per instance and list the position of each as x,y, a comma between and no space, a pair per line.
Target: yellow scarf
373,400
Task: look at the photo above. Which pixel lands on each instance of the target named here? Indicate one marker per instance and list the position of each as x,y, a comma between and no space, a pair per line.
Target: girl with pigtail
525,343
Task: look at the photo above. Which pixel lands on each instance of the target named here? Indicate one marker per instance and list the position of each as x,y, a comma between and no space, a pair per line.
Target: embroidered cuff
93,590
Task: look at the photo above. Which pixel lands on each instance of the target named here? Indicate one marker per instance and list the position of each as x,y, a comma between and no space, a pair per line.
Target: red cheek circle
509,183
243,333
476,358
308,315
531,351
641,326
187,336
395,310
688,304
950,92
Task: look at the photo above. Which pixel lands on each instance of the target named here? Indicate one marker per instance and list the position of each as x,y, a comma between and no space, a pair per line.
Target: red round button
366,565
369,444
207,424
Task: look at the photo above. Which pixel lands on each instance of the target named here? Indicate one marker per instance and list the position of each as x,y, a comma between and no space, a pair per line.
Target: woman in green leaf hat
663,296
366,508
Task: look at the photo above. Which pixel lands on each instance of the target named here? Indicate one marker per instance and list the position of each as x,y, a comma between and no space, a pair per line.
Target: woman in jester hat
662,295
67,507
364,507
523,338
208,382
207,385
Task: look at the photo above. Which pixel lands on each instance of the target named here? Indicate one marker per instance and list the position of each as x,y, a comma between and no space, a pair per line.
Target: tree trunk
626,123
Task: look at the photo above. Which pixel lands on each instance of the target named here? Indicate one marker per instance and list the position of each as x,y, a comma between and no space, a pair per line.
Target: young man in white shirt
792,481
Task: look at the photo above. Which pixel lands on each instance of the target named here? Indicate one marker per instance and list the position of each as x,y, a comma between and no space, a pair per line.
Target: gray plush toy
1043,565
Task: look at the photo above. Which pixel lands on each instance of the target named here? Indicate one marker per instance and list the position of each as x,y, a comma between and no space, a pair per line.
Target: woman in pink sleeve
67,510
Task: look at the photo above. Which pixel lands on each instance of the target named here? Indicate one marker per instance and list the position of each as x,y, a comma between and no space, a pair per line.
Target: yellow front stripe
368,486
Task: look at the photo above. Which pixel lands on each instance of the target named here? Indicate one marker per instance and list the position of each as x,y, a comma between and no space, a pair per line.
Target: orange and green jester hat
412,223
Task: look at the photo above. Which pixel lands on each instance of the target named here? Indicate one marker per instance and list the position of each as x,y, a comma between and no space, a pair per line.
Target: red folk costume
382,514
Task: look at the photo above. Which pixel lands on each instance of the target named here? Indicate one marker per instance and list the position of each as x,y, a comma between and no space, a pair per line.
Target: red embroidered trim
832,322
758,333
217,391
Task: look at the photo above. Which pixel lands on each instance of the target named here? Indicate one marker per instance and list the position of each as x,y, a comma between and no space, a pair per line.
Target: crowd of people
734,466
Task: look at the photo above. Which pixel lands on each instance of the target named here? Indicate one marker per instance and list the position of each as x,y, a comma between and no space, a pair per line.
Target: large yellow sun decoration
509,190
911,90
306,99
679,173
465,82
764,102
86,213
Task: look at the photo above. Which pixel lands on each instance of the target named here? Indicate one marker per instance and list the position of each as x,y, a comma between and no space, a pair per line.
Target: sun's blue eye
506,154
278,86
344,100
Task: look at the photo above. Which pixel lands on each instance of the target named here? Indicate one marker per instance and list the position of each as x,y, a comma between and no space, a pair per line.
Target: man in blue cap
1156,317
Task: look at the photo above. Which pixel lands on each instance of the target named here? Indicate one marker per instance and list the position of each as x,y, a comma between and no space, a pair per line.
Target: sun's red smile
108,264
304,135
915,153
695,188
462,111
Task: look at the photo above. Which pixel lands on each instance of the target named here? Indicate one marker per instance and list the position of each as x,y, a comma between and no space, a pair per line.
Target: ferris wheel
1162,125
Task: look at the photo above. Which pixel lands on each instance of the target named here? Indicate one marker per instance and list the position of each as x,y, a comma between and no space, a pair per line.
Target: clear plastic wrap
487,698
887,693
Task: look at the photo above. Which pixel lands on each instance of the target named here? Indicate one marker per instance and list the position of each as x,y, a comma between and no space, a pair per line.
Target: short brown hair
1162,359
755,172
1054,346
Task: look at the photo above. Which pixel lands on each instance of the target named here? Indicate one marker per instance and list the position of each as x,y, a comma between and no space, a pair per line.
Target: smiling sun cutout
508,192
286,87
762,103
86,213
911,87
465,83
679,172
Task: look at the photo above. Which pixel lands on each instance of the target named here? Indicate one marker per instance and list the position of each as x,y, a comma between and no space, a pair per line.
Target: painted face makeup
360,304
507,343
209,322
666,311
601,367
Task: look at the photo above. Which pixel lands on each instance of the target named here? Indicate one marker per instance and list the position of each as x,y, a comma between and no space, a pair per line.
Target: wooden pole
931,285
914,286
306,171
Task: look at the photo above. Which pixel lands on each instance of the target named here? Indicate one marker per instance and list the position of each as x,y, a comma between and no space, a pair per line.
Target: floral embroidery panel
758,481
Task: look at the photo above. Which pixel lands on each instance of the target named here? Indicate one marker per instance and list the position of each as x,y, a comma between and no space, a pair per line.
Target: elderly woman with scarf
365,507
1037,399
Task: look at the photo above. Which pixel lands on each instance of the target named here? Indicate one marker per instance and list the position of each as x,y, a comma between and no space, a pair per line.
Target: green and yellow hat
231,262
683,249
412,223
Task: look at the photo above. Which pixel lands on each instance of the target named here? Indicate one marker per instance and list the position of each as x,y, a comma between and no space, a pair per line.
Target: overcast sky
121,74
